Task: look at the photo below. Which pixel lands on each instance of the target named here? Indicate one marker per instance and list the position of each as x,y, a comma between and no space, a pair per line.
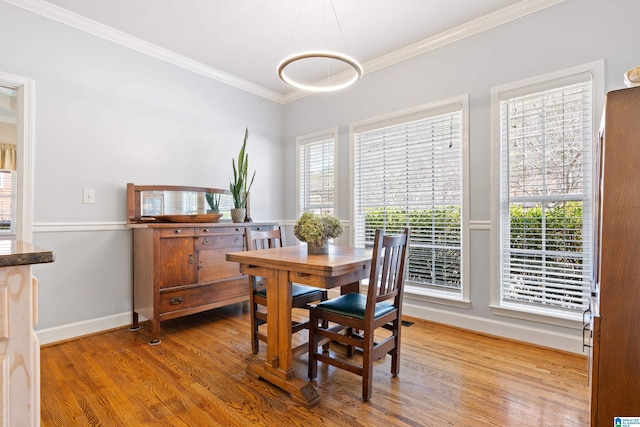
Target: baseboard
543,338
79,329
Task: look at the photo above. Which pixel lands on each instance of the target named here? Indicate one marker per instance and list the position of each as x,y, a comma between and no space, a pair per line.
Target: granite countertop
17,252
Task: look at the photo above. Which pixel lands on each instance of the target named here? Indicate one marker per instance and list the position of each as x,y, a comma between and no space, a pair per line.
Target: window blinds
316,174
546,220
408,172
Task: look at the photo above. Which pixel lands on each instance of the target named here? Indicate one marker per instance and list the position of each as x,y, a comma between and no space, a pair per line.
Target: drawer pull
200,267
237,239
175,301
191,260
178,231
206,230
205,242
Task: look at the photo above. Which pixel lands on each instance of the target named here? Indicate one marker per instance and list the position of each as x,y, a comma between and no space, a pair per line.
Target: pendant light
333,82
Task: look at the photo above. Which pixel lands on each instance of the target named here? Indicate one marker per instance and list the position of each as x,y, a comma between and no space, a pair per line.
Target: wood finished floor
196,377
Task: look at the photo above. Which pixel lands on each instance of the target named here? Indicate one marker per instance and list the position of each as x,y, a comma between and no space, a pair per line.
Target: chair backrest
386,280
264,239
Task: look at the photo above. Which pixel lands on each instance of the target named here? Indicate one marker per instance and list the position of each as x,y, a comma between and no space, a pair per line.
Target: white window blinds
408,172
316,173
545,194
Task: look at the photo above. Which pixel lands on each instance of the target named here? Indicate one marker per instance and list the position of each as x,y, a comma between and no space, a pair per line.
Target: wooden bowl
188,218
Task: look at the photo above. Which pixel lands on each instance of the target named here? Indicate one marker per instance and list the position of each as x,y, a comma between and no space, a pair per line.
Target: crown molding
484,23
492,20
90,26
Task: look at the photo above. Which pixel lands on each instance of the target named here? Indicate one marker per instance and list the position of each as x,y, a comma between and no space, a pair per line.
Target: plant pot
238,214
315,249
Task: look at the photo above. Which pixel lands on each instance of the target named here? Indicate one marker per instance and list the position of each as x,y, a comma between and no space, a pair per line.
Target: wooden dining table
342,267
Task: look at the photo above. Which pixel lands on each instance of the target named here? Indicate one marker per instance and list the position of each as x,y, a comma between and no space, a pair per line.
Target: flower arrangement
317,228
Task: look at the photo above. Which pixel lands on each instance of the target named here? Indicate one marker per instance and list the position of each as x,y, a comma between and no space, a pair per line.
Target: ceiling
242,42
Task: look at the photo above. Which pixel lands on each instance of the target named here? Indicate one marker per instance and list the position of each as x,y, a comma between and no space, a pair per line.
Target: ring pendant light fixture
297,58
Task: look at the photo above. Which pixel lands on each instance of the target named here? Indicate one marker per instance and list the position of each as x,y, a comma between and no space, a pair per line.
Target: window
409,170
544,135
316,172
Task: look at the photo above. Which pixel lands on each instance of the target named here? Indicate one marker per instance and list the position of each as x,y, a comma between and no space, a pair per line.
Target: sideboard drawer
193,297
220,230
176,232
221,241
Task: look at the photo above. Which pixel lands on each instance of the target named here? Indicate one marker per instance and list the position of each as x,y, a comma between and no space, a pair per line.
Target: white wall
107,115
569,34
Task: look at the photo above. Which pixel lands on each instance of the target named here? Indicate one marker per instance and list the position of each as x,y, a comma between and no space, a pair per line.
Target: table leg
350,288
278,366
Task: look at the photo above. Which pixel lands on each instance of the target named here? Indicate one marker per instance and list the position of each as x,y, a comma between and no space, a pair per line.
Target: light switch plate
88,195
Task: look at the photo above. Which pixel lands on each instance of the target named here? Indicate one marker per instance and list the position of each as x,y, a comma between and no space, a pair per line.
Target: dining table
342,266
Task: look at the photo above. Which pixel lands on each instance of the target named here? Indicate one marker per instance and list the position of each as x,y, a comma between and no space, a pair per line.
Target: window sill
442,298
540,316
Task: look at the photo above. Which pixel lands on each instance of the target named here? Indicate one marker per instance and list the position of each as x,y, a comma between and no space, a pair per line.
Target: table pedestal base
300,391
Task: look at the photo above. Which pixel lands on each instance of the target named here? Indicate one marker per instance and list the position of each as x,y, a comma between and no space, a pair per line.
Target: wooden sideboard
614,371
180,268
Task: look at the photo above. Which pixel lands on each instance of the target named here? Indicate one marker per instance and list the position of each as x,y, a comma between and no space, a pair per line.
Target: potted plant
213,199
316,230
240,185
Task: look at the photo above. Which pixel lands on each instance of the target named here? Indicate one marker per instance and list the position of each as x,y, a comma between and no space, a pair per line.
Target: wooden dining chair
301,295
361,315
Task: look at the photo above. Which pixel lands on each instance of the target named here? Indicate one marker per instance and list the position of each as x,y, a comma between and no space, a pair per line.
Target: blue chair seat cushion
353,305
296,291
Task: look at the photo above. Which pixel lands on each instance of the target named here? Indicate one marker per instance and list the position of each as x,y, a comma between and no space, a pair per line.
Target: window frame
312,138
533,85
460,299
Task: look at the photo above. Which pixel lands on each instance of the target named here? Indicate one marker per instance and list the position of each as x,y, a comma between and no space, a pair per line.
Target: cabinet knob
205,242
191,260
200,267
178,231
237,239
206,230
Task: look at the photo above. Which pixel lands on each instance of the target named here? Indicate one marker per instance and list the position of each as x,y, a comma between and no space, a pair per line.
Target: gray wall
107,115
571,33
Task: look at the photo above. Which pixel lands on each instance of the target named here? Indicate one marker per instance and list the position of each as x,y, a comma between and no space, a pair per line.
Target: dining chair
301,295
355,317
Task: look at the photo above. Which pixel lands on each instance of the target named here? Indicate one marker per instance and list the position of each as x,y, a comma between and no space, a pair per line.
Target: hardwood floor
196,377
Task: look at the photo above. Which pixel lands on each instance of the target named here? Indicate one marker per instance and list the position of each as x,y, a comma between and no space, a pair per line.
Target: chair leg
349,333
367,369
313,362
395,353
255,346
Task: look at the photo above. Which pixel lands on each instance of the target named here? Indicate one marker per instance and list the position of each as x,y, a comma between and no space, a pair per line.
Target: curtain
7,157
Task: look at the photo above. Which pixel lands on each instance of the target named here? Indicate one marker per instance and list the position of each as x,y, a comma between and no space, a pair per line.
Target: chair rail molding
54,227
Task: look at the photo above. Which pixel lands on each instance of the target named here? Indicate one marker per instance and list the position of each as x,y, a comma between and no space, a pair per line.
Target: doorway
16,157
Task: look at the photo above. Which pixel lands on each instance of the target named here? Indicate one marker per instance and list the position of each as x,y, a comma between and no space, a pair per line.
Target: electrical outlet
88,195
